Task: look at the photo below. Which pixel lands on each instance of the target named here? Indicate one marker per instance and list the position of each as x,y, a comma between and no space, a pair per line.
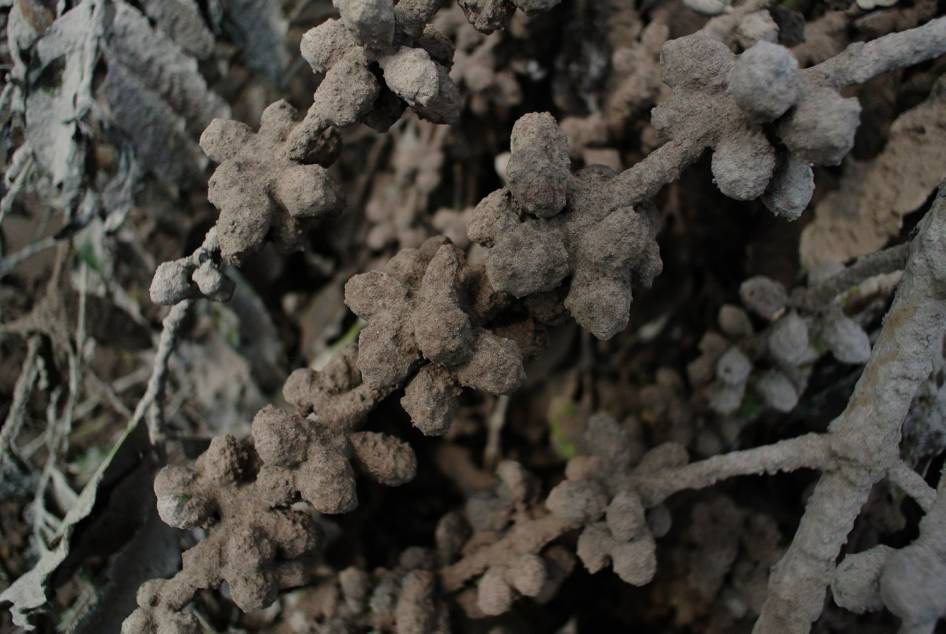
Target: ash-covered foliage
503,316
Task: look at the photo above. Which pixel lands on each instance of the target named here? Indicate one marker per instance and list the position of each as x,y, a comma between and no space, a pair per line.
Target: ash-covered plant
554,248
554,243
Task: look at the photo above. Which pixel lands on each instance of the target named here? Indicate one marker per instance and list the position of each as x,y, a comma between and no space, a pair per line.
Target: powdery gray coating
623,539
579,501
535,6
634,558
846,339
503,537
818,126
866,435
254,545
192,276
494,595
658,474
345,96
387,460
538,167
707,7
405,599
607,249
856,582
415,309
855,453
515,482
757,26
153,617
260,192
416,77
413,57
668,455
764,80
487,16
789,342
912,580
743,163
608,443
764,296
430,399
416,612
635,562
776,362
790,189
526,575
337,394
315,462
625,516
821,127
370,21
913,583
733,367
178,280
777,391
702,113
725,398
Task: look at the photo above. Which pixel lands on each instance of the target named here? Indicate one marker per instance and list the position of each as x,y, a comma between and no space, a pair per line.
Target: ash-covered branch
866,436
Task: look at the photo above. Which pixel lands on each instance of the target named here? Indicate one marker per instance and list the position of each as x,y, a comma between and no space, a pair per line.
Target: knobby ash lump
549,226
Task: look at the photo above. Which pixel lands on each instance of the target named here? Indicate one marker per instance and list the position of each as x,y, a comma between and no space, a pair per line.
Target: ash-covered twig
865,437
823,293
151,403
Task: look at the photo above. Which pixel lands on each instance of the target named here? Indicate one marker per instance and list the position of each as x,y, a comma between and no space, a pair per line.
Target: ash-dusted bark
865,437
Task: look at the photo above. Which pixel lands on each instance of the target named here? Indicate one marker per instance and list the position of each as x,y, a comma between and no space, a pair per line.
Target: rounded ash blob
764,80
777,391
743,164
789,342
846,339
821,128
